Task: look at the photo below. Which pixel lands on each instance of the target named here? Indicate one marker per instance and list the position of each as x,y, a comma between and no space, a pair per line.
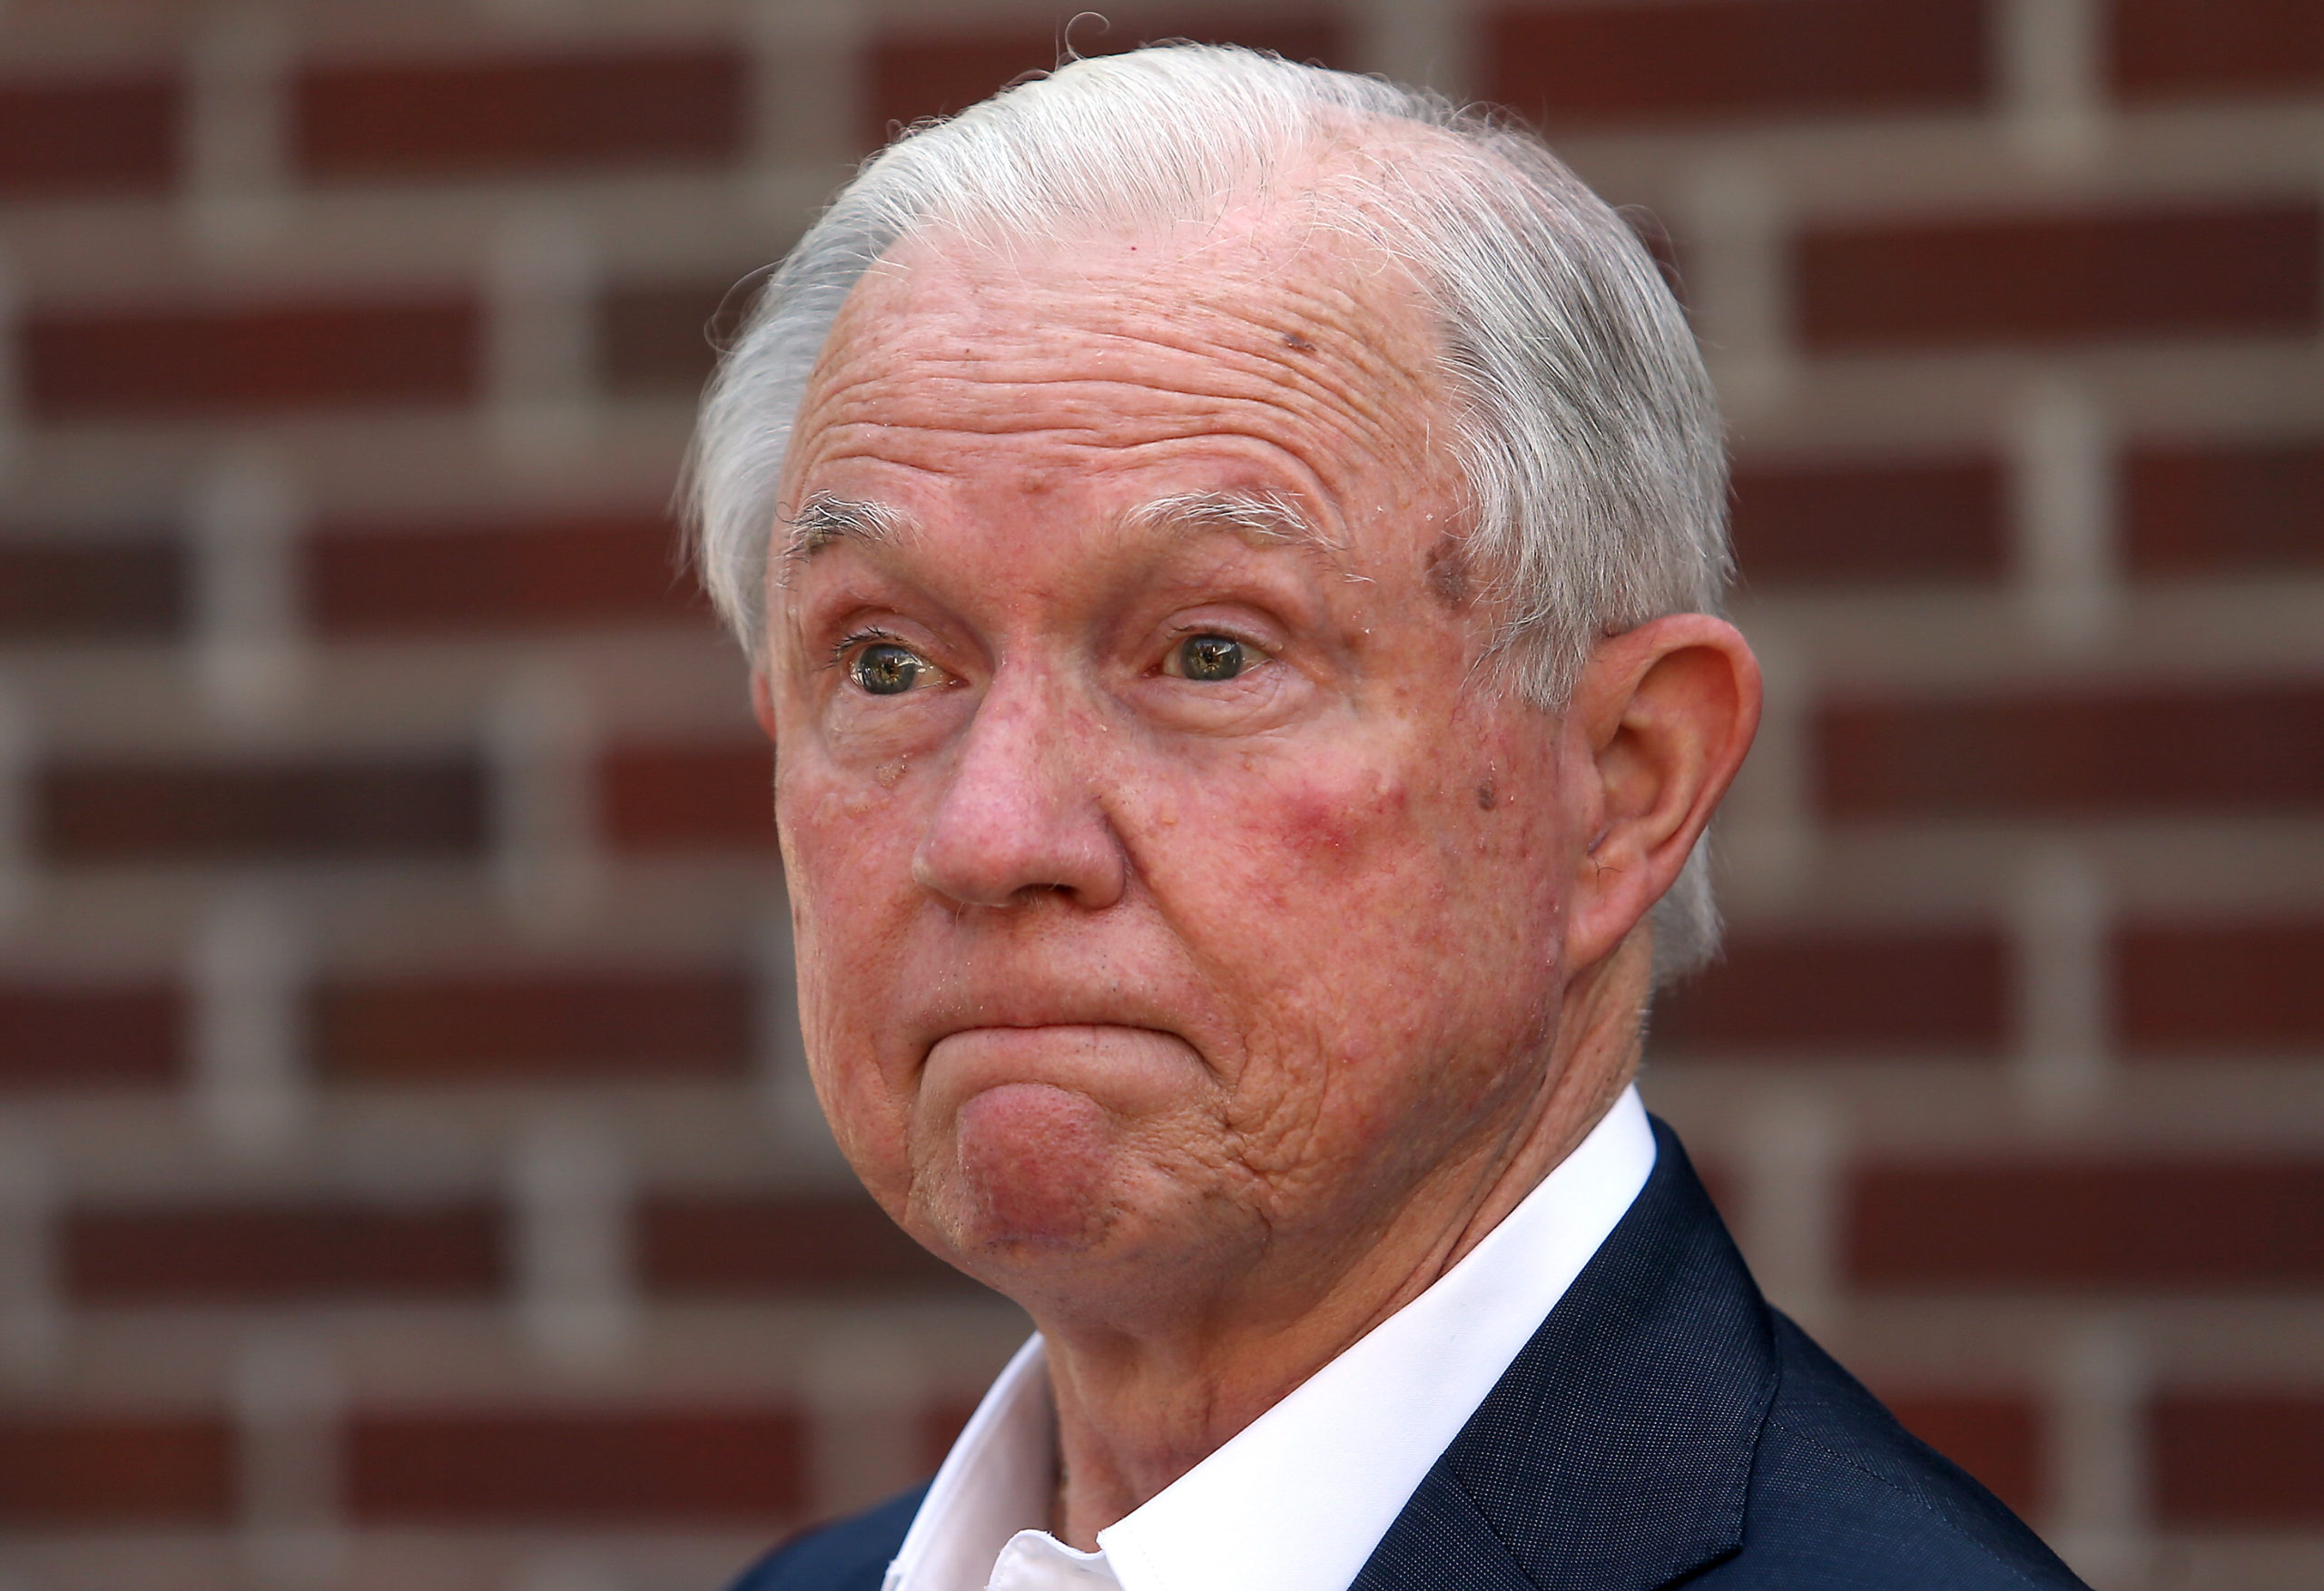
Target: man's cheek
868,1122
1336,815
1285,837
827,804
850,879
848,933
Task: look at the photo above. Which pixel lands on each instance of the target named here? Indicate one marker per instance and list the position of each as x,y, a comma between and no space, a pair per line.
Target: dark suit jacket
1664,1425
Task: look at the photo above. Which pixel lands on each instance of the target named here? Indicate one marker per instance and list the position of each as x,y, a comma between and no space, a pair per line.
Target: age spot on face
1448,573
1485,796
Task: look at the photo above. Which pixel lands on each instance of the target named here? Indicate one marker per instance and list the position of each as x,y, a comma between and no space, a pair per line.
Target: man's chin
1030,1170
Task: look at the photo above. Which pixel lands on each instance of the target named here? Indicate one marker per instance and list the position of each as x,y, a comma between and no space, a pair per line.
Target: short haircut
1585,431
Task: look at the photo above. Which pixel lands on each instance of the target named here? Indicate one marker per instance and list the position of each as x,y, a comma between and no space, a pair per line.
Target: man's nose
1021,815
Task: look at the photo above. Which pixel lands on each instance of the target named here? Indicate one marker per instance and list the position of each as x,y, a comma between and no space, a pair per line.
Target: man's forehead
1102,333
1182,385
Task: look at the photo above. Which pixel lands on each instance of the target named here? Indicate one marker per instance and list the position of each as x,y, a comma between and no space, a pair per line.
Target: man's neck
1138,1410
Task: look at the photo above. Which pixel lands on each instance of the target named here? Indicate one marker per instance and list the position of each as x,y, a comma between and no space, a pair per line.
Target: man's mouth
1116,1061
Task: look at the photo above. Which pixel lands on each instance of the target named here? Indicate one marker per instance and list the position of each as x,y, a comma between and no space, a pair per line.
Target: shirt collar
1297,1500
999,1477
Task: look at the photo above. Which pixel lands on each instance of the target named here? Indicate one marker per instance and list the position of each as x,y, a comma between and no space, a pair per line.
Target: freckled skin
1209,1020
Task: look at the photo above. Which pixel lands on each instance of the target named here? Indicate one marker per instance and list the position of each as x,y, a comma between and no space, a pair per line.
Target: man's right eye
886,670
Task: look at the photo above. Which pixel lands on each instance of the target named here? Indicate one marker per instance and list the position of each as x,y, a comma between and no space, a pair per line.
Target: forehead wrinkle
1084,411
1228,344
1353,357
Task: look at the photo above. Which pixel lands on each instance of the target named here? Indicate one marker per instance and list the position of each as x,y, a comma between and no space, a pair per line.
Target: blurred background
407,1174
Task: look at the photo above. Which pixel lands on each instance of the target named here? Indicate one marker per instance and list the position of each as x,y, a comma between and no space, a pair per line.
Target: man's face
1172,887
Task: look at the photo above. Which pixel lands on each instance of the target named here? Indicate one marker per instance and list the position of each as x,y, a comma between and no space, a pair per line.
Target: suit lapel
1615,1454
1441,1543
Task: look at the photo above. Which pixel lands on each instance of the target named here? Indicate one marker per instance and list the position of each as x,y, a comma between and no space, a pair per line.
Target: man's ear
1657,727
762,699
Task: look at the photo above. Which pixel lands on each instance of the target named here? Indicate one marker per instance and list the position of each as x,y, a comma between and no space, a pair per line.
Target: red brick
89,1036
55,589
637,108
2183,49
244,360
91,1471
592,1467
1613,63
2249,1462
778,1244
558,1026
108,137
2210,987
140,812
686,798
922,73
2248,748
2050,279
2089,1225
2223,511
1847,993
661,341
257,1254
1996,1439
1944,520
530,575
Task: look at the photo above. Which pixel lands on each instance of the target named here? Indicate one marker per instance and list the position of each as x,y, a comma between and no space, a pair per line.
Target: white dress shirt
1296,1500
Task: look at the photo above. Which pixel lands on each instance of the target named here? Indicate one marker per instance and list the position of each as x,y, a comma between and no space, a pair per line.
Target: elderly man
1230,554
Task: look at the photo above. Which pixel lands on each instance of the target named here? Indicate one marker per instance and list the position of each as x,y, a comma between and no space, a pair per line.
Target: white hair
1586,435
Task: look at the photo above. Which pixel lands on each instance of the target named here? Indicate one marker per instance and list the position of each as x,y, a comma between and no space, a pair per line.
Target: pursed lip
1055,1020
1036,1002
1032,1011
1133,1069
1047,974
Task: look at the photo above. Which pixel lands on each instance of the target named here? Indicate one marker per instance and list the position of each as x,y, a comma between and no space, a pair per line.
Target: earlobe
1667,711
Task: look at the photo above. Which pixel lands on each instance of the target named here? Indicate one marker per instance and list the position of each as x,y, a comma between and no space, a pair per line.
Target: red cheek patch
1338,823
1033,1161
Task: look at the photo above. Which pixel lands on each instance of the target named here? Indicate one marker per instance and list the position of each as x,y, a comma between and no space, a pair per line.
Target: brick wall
406,1175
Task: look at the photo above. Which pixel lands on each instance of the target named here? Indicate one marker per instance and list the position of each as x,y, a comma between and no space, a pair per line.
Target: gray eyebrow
1259,517
1263,517
824,518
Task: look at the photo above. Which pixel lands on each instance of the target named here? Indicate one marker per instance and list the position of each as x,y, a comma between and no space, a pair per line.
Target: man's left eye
884,669
1209,657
